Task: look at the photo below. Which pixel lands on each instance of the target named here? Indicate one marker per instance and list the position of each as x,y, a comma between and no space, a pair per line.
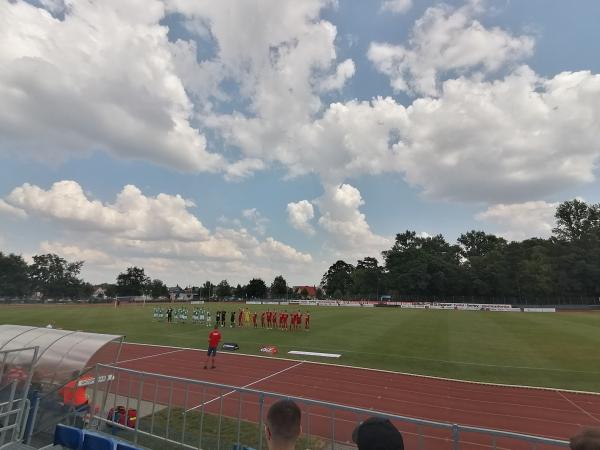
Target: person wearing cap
588,439
283,425
377,433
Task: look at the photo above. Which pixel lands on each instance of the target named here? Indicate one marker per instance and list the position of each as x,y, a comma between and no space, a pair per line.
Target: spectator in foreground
377,433
282,427
588,439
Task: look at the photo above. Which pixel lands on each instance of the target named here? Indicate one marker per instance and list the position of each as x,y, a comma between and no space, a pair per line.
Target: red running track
542,412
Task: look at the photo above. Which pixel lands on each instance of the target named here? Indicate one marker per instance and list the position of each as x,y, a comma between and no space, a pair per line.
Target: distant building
310,290
175,292
182,295
99,293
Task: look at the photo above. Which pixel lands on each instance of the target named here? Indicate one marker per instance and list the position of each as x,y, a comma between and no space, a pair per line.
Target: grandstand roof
62,355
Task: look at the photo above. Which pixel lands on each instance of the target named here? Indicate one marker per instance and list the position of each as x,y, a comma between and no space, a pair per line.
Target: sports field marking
246,386
577,406
431,377
418,358
325,355
150,356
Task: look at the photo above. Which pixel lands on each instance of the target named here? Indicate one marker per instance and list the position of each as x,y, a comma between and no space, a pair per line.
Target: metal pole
219,427
202,416
261,404
185,407
455,437
239,426
333,429
169,410
154,406
139,409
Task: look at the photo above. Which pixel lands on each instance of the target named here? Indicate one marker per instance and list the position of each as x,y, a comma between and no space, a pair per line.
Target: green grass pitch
539,349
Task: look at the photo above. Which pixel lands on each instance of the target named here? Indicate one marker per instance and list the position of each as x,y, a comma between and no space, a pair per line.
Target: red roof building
311,290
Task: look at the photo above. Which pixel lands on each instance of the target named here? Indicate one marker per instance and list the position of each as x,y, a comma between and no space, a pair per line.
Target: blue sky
277,136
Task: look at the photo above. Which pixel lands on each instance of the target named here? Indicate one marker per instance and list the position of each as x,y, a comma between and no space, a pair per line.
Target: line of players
281,320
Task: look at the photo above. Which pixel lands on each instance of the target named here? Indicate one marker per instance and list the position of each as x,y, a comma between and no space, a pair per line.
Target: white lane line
246,386
394,372
577,406
149,356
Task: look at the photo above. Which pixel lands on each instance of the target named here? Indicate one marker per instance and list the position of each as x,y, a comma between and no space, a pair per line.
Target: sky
250,138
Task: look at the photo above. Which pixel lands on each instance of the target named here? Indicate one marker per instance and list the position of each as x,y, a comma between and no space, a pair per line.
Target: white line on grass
416,375
246,386
150,356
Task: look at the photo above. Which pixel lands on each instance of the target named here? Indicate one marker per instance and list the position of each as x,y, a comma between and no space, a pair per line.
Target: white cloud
157,232
520,221
10,210
336,81
396,6
243,168
72,252
347,228
104,78
300,215
447,40
133,215
504,141
257,219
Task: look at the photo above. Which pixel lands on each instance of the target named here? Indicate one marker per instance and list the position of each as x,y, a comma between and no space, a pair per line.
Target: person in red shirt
241,318
262,319
254,319
284,320
213,341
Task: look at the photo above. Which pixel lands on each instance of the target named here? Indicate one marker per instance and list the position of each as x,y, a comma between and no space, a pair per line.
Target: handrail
455,428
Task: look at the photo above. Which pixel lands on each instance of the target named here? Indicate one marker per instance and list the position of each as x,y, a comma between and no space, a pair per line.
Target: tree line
53,277
562,268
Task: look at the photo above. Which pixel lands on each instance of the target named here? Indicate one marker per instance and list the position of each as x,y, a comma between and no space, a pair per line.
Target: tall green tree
207,290
424,265
367,277
279,287
338,279
223,289
55,277
158,289
478,243
133,282
576,219
14,276
256,288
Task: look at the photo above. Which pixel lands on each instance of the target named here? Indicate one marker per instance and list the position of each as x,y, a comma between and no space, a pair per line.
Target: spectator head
588,439
282,426
377,433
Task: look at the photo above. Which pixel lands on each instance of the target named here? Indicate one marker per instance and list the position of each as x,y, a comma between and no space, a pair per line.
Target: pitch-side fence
173,412
16,369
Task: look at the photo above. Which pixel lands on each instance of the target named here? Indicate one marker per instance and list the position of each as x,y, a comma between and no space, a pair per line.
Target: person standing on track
213,341
283,425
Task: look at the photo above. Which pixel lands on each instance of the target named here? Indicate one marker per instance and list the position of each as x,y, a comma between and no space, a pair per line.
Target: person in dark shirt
232,320
377,433
588,439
